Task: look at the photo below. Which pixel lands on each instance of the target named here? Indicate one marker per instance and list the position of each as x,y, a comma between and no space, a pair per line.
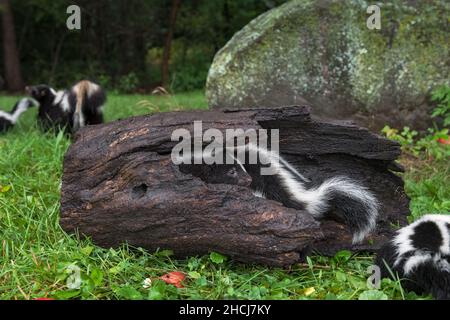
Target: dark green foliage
120,43
441,96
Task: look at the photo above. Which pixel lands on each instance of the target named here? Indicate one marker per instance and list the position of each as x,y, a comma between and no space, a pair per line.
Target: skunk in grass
346,199
8,120
420,255
89,99
70,109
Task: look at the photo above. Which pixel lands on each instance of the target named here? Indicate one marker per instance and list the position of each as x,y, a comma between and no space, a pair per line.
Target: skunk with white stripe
71,109
420,255
9,119
339,197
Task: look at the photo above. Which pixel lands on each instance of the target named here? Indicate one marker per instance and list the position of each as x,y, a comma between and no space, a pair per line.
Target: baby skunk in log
420,255
69,109
348,200
8,120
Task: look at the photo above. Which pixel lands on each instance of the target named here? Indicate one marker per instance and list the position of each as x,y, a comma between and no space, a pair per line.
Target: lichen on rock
322,53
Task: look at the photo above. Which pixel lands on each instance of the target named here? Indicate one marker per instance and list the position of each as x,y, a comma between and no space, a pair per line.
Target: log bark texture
120,185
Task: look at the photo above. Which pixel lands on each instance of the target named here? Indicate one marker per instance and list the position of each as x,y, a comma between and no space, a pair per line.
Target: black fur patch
5,125
218,173
429,279
348,210
270,186
427,237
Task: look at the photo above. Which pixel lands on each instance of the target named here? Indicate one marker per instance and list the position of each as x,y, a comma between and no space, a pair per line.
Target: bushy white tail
351,201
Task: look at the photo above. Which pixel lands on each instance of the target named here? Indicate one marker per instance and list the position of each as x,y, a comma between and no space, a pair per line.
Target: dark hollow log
120,185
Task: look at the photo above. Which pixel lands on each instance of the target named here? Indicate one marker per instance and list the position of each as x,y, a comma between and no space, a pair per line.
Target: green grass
36,256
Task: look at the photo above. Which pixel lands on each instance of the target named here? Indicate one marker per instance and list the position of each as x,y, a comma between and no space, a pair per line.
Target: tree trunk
168,43
13,75
120,185
56,56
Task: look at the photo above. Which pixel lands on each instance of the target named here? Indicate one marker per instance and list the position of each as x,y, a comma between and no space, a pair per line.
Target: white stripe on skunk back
22,106
360,212
404,243
420,255
62,100
9,119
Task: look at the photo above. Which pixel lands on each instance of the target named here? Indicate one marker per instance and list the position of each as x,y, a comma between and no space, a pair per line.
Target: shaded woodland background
126,45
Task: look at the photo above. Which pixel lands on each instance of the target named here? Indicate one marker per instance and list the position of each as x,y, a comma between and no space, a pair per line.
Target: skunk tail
349,200
90,97
81,90
20,107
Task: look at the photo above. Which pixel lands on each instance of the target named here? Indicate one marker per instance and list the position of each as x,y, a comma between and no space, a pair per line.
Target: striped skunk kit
334,186
419,255
8,119
69,109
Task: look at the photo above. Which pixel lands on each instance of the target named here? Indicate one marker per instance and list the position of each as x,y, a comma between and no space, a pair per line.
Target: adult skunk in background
71,109
9,119
420,255
88,98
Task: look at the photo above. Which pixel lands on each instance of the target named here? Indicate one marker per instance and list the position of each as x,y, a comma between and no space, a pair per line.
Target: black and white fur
9,119
419,255
342,197
57,108
347,199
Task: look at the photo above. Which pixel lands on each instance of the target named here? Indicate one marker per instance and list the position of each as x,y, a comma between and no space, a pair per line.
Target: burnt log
120,185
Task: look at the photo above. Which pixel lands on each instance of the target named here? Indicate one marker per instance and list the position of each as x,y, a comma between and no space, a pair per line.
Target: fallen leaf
5,189
194,275
444,141
175,278
309,291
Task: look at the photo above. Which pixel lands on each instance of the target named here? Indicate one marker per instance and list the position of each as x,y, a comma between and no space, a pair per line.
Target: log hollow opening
120,186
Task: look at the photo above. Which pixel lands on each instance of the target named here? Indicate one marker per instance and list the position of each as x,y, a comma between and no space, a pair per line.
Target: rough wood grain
120,185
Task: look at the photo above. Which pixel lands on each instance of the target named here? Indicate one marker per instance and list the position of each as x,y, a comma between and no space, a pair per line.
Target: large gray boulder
322,53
